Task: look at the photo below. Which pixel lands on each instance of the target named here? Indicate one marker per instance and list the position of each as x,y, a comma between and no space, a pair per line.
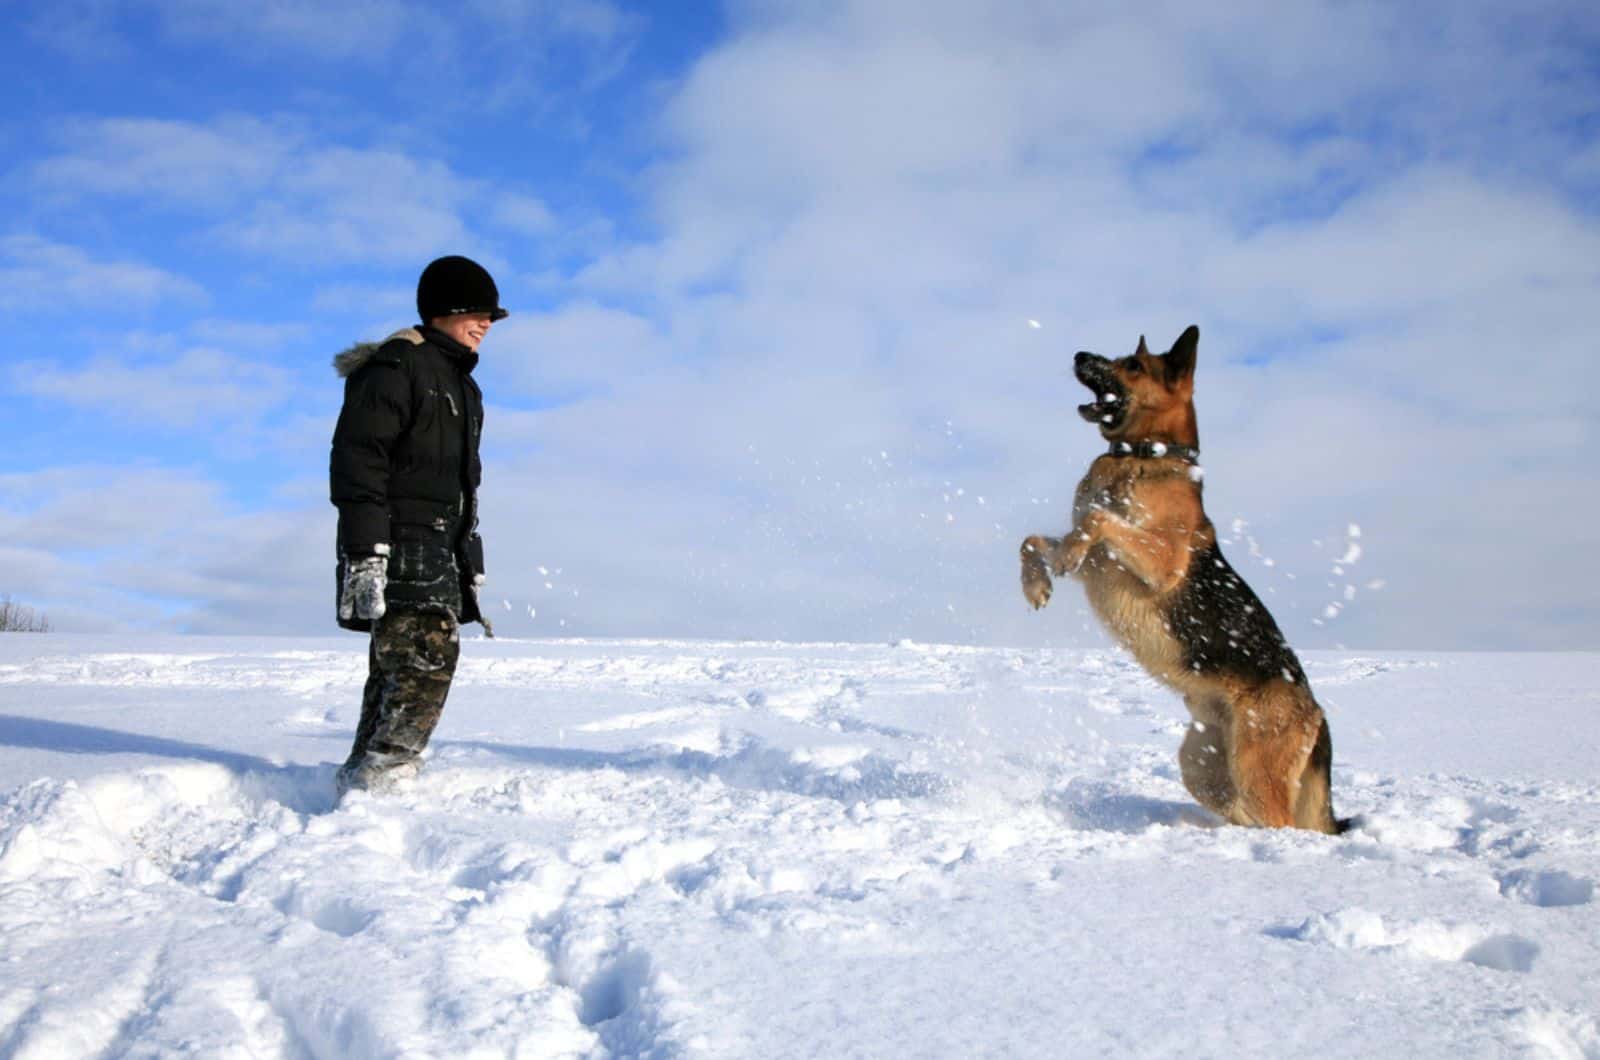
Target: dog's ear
1181,358
1142,348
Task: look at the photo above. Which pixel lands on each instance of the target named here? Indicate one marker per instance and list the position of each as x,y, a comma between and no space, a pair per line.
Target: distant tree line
20,618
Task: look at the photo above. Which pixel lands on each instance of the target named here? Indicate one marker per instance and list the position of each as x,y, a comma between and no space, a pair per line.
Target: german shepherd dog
1258,752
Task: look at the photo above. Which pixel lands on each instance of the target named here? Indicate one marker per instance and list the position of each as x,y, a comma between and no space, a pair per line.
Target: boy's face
466,328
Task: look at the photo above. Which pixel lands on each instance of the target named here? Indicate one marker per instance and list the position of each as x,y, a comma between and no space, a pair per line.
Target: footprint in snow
1547,889
1364,930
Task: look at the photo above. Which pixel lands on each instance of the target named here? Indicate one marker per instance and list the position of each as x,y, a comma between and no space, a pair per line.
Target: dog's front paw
1070,556
1036,587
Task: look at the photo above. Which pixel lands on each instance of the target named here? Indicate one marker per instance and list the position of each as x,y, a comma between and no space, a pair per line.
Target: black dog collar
1155,449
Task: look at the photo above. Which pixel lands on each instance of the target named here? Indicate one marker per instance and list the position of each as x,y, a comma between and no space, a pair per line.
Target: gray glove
364,582
477,600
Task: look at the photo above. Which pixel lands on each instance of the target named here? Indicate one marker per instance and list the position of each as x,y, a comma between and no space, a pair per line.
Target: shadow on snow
306,789
752,767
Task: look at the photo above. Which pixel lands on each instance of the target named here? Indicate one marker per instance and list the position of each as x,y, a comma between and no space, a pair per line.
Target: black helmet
457,285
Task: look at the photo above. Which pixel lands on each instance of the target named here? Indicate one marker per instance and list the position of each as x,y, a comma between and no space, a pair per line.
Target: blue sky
770,370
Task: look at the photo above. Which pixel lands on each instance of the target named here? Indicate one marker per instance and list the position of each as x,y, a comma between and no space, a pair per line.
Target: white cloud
107,507
347,300
1424,238
592,19
121,548
512,49
200,386
44,277
580,347
84,30
363,32
247,334
181,163
343,30
267,189
523,214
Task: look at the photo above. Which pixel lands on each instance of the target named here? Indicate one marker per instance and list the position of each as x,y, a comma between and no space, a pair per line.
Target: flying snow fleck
1034,324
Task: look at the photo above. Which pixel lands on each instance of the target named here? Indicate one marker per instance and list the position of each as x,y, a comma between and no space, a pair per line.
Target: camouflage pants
409,668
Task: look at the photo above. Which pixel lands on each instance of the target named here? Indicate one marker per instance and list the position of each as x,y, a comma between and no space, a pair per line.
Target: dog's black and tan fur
1258,752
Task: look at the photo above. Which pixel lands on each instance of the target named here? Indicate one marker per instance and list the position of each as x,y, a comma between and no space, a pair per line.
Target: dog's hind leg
1281,760
1204,762
1274,735
1313,808
1261,769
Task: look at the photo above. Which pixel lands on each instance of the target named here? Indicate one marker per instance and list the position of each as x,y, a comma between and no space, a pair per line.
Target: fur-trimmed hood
348,361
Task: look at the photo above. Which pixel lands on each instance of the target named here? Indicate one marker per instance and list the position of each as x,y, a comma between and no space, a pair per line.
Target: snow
655,848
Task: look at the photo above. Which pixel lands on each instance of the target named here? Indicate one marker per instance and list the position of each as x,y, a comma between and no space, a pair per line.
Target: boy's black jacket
405,468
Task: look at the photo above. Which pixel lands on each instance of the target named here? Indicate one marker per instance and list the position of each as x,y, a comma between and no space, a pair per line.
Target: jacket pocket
438,403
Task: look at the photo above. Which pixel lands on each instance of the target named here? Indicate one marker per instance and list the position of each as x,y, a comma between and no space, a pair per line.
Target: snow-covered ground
636,848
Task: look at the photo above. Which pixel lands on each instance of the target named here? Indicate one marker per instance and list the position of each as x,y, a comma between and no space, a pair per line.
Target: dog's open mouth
1111,398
